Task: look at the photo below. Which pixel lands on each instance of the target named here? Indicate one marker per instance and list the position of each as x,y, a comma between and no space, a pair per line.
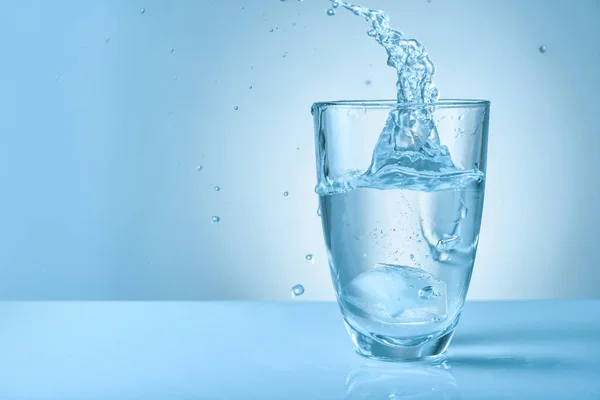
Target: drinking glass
401,246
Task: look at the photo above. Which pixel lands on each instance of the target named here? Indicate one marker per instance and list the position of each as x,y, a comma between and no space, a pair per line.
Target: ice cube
390,293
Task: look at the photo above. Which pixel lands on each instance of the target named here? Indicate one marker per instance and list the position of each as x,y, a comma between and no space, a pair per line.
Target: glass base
377,350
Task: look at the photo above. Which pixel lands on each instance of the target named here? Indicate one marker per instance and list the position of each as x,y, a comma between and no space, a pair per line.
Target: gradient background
102,128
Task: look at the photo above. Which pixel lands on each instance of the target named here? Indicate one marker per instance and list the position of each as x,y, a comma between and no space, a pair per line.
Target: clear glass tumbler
401,216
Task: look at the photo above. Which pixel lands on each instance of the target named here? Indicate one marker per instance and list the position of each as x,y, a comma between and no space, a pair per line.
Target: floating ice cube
376,293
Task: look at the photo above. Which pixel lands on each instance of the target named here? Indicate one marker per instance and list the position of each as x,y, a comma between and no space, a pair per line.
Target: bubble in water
331,12
442,256
236,108
412,256
368,82
199,167
107,40
463,212
286,194
427,293
335,4
372,33
172,50
143,11
448,242
216,219
271,30
543,49
250,87
297,290
310,258
461,117
217,188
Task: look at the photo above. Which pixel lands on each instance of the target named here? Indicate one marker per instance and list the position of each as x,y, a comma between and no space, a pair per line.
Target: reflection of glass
401,220
410,381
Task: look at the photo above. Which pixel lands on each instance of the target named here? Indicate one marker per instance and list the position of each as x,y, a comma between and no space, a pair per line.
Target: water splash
408,56
408,152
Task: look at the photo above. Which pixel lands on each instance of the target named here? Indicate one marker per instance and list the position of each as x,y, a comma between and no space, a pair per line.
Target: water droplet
217,188
199,167
427,293
543,49
271,30
310,257
216,219
412,256
143,11
372,33
172,50
368,82
335,4
250,87
286,194
297,290
236,108
331,12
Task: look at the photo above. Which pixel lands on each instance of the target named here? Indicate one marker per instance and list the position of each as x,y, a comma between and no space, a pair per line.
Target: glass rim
442,103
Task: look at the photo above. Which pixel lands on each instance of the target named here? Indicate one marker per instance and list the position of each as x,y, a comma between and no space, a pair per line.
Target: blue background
102,128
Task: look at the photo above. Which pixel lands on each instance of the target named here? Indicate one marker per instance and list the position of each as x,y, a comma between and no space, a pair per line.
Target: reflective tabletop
293,350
